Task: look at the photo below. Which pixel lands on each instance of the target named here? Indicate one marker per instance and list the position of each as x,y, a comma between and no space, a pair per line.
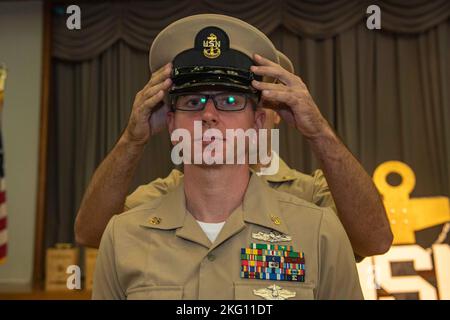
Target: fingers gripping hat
210,50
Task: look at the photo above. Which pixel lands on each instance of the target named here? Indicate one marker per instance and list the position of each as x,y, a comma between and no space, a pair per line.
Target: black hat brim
191,78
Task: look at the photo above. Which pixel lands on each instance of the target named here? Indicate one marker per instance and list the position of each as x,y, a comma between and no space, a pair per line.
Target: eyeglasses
234,101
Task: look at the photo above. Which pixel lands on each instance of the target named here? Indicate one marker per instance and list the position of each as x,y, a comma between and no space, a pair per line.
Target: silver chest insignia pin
274,292
272,236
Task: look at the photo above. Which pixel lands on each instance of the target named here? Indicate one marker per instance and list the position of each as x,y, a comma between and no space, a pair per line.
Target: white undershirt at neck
211,230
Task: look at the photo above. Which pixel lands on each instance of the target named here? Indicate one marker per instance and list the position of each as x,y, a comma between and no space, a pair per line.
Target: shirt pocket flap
281,290
156,293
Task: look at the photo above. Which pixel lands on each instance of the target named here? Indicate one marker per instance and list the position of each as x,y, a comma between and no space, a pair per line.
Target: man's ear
170,120
276,118
260,118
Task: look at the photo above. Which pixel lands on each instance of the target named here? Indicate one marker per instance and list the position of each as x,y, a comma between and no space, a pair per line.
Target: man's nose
209,114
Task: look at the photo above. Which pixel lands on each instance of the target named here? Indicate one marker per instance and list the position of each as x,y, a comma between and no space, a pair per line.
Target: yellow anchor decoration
408,215
211,47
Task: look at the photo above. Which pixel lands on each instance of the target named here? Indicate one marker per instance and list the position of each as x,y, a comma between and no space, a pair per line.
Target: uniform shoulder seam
143,208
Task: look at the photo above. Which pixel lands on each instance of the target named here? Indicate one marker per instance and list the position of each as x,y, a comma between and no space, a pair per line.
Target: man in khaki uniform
222,233
359,207
159,251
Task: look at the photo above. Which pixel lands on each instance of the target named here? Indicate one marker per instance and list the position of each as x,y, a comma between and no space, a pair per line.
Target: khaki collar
260,206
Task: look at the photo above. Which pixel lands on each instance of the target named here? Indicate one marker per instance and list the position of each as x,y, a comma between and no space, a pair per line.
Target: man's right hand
148,115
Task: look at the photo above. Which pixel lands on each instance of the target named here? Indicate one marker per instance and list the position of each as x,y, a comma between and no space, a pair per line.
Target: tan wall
21,51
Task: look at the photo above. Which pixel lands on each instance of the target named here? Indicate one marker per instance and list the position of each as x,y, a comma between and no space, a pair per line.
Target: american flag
3,234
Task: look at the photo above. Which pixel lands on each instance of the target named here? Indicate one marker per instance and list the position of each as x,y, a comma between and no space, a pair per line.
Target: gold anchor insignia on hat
274,292
211,46
155,220
272,236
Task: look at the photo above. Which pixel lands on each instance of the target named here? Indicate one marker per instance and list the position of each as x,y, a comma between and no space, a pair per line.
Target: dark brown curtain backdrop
386,92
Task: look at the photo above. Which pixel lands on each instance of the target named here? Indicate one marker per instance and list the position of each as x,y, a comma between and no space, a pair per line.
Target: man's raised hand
148,115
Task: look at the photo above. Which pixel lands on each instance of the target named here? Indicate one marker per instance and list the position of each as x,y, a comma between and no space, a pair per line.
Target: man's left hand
289,97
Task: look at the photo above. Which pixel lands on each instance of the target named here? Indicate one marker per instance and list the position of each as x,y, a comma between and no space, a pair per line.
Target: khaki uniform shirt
158,251
310,188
